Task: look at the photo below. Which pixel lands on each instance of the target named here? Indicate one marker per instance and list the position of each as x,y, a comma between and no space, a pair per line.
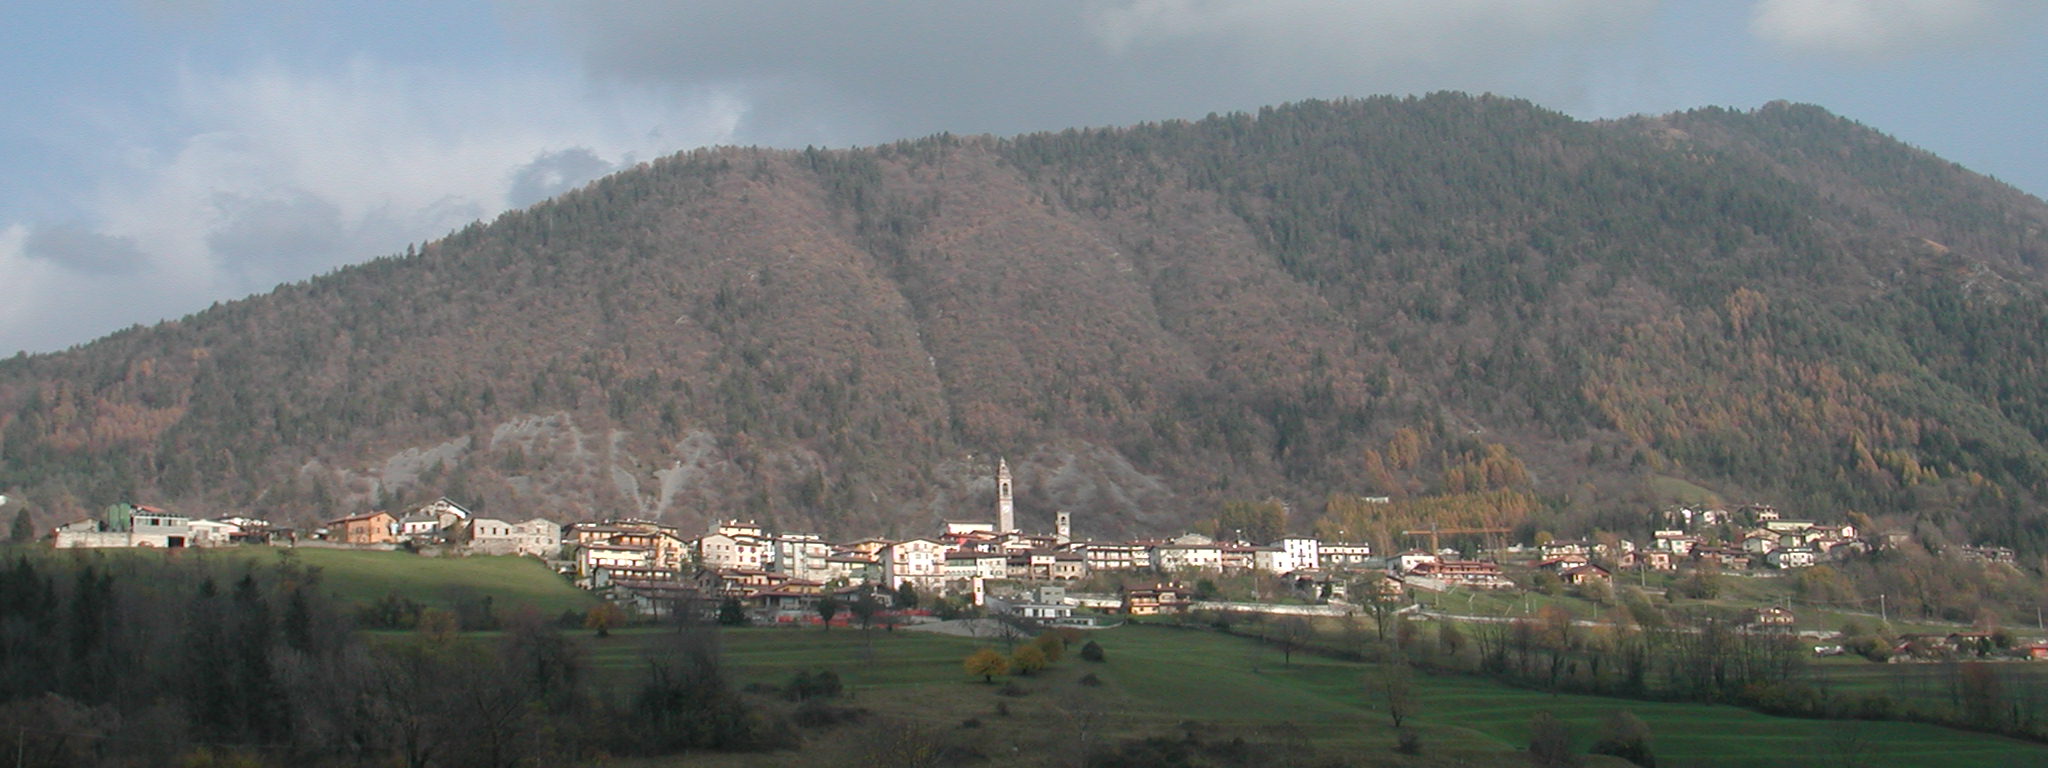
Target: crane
1434,533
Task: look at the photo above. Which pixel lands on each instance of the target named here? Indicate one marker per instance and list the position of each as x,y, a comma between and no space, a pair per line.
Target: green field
360,576
1159,681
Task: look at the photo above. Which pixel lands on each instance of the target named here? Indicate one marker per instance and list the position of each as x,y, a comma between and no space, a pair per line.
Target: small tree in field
828,609
1028,659
1052,645
602,617
987,663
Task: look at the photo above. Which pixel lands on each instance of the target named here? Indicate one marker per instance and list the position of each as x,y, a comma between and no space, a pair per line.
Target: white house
1342,554
1303,553
723,550
1790,557
918,562
1173,557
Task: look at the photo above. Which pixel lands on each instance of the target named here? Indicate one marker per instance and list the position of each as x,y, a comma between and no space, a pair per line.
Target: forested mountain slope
1397,297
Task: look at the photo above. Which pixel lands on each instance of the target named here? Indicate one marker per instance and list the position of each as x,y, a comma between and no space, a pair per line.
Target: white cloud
1477,32
864,71
270,175
1884,29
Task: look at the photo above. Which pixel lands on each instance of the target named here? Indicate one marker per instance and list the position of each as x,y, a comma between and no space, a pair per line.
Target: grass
361,576
1160,680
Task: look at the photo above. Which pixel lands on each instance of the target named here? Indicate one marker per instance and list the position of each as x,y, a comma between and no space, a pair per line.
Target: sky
159,156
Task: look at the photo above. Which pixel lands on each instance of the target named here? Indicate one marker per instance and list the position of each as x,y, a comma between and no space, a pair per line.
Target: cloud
861,72
1884,29
552,173
81,250
269,174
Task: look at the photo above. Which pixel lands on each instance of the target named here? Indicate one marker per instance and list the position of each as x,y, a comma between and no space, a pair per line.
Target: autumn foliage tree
986,663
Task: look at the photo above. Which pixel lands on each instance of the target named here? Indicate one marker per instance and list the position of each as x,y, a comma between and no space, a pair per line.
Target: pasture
355,577
1164,682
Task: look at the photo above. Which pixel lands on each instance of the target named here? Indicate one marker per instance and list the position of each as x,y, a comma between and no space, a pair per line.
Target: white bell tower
1006,507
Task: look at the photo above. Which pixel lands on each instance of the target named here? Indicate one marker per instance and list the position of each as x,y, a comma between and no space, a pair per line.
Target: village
653,571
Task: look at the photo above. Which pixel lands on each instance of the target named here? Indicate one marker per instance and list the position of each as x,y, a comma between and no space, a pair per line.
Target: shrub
1092,652
1550,742
805,685
1625,736
1091,680
816,713
1409,742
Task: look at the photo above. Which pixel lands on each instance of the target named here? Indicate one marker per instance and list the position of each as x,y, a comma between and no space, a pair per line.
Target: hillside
1384,297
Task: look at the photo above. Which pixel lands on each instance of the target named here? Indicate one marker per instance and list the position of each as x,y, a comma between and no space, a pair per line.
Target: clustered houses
782,576
1754,536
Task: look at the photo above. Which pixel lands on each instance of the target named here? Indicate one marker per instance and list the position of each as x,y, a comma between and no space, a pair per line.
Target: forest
125,659
1447,296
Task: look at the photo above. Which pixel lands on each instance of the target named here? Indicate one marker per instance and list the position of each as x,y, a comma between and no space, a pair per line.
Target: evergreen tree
24,529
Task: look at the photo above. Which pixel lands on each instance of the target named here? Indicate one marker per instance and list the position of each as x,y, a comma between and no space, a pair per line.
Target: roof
355,518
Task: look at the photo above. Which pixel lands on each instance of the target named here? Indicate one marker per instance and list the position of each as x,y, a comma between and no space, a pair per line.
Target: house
793,601
966,527
1303,553
1562,563
1759,542
212,533
129,525
1193,557
419,526
1156,599
1678,543
445,511
1408,561
1728,558
2001,555
1471,573
1069,566
595,556
2035,651
801,555
852,567
731,550
1343,555
1791,557
962,565
920,563
1114,556
533,538
1554,549
1579,576
370,528
1770,616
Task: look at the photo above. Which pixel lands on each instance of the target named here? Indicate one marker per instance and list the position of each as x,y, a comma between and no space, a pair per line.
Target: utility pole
1885,615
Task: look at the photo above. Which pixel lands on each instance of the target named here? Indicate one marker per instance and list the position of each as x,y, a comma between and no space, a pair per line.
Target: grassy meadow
1164,682
360,576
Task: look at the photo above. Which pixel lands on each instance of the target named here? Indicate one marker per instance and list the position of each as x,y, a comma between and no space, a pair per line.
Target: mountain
1382,297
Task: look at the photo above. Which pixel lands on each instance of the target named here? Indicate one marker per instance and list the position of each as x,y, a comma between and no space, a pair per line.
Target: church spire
1006,507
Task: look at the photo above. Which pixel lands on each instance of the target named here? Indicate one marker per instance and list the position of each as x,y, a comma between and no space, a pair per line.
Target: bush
1091,680
805,685
1408,743
816,713
1092,652
1626,736
1550,742
1011,689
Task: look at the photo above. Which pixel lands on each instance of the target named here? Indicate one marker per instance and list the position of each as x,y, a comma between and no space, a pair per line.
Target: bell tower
1006,506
